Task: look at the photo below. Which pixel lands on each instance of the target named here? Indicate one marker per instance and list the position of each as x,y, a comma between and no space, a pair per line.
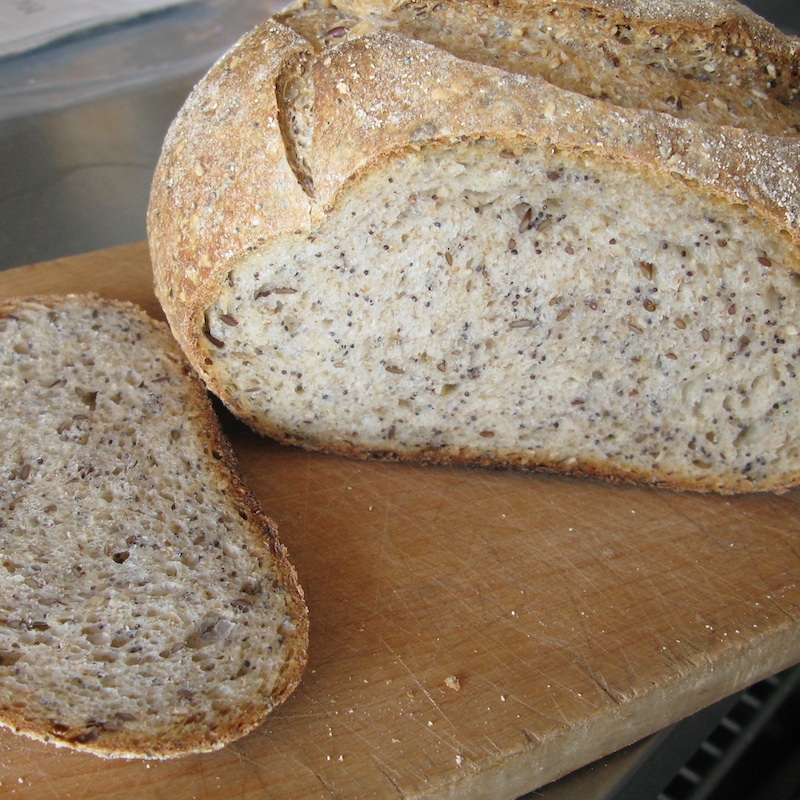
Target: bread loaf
546,235
147,607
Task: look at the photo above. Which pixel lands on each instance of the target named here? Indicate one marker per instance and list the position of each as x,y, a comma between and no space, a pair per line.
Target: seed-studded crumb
147,608
415,324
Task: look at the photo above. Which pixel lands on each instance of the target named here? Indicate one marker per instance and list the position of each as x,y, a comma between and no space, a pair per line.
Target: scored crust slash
544,235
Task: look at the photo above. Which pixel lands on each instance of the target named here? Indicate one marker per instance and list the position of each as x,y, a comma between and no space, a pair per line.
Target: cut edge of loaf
363,359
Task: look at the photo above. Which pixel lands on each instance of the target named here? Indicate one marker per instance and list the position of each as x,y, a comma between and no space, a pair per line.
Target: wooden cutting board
475,634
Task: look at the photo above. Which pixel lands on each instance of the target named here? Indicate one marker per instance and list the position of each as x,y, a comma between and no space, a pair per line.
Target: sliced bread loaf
554,235
147,607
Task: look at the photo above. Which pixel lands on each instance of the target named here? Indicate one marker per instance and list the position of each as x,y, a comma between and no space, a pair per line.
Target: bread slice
147,608
552,235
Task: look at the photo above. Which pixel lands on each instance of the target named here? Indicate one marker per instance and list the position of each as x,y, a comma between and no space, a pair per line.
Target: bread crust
379,93
207,206
701,15
120,742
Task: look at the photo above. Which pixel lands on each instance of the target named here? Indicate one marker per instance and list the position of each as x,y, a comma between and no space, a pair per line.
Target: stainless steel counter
78,179
82,121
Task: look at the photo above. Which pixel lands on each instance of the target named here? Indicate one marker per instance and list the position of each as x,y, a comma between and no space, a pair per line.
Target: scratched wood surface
474,634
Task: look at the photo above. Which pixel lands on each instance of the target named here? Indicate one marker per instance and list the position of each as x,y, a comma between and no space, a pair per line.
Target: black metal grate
729,754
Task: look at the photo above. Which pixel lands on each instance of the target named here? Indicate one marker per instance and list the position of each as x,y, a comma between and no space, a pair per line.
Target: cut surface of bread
147,608
560,236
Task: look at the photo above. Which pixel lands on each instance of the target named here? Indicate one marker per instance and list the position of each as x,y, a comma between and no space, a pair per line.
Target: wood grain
475,634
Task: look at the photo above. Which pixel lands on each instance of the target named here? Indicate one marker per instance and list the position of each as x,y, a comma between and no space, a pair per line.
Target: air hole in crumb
87,396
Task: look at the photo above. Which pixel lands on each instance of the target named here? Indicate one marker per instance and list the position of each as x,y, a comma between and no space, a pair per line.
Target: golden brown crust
364,121
694,13
222,155
594,470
